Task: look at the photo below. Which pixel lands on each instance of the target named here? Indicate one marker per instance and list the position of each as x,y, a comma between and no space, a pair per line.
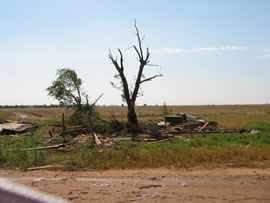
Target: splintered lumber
203,126
44,167
74,132
97,141
48,147
50,140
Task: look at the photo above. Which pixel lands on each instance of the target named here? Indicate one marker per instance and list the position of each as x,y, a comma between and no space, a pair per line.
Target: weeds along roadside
226,149
233,149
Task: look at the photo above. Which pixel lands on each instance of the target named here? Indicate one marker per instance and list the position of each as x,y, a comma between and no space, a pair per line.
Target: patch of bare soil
151,185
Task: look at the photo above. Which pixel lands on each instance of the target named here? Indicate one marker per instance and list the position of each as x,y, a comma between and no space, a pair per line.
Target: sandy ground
153,185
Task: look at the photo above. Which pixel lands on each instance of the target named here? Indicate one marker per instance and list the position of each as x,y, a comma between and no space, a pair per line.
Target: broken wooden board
44,167
15,128
48,147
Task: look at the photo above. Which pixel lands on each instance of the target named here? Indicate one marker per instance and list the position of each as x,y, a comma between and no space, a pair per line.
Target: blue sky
210,52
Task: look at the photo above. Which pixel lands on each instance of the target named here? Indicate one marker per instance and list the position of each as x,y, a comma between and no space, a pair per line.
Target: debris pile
180,126
11,127
173,127
184,123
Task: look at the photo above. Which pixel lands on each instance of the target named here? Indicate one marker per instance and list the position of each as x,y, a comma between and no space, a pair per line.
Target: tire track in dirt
160,185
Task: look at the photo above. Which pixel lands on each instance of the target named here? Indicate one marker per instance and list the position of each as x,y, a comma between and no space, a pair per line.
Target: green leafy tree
67,89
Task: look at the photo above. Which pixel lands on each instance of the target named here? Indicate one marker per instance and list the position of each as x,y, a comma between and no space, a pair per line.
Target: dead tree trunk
130,96
132,117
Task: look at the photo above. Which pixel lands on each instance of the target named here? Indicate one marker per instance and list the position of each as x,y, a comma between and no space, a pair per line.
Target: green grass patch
14,155
46,122
230,140
233,149
260,126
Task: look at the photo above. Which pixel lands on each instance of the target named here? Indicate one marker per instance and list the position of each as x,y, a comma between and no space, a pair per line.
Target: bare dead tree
129,95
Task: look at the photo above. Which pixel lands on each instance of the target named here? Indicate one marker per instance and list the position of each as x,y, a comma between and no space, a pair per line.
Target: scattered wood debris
172,128
12,127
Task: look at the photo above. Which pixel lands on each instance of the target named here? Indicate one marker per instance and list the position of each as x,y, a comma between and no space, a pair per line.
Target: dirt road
151,185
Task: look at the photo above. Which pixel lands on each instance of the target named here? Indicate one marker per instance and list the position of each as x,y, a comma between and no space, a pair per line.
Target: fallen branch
48,147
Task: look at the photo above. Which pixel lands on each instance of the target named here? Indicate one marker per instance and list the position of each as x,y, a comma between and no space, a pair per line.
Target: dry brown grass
34,113
230,116
236,150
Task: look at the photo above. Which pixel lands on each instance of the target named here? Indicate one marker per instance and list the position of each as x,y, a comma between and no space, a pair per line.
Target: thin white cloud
160,51
204,49
168,50
224,48
263,56
181,50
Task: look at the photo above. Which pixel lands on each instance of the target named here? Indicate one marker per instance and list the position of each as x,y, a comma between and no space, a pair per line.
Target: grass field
232,116
245,150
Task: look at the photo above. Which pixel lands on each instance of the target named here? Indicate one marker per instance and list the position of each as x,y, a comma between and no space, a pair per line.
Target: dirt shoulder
151,185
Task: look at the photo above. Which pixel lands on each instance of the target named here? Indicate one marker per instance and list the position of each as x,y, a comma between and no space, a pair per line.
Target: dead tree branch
131,95
151,78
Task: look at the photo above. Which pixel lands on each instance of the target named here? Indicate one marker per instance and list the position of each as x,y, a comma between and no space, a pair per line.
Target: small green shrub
102,128
78,118
166,110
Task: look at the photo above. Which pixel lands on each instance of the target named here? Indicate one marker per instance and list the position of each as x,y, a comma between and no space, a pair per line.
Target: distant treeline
43,106
33,106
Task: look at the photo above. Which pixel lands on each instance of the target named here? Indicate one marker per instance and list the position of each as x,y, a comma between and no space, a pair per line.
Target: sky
210,52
